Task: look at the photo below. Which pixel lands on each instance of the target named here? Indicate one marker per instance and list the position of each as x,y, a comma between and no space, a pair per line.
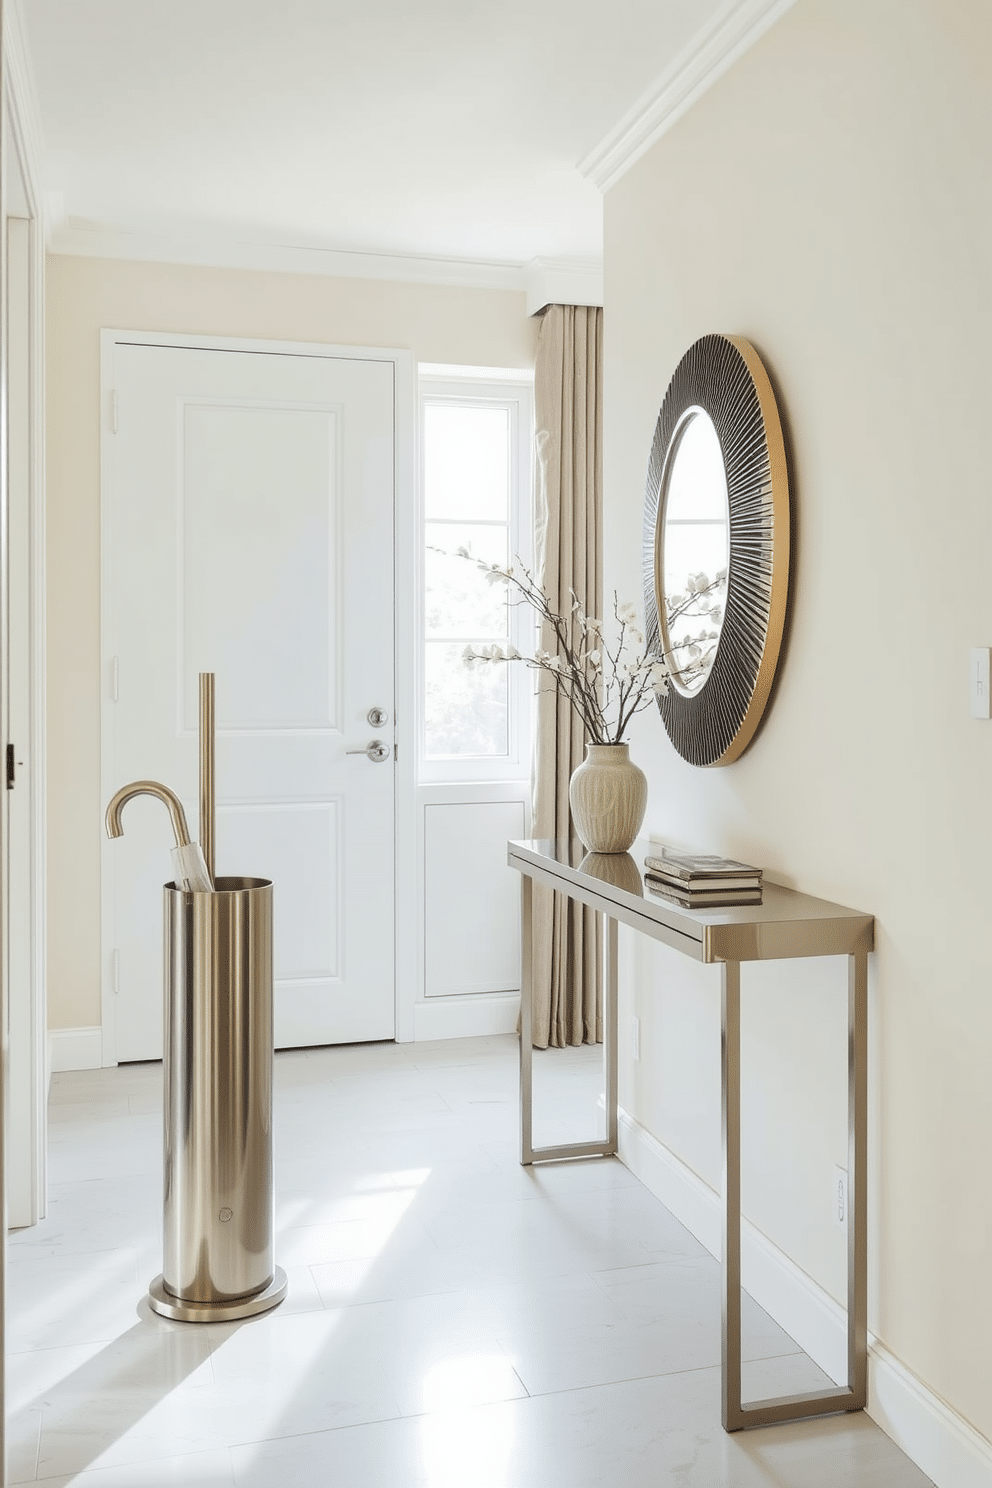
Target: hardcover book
701,899
698,885
690,866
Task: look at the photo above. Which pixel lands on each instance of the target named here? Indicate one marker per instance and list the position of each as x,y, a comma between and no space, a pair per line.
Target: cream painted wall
466,326
829,199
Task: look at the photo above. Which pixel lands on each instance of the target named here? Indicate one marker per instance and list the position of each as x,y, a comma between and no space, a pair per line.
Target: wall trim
26,1177
712,51
74,1049
941,1443
226,251
545,281
24,104
466,1017
947,1448
558,282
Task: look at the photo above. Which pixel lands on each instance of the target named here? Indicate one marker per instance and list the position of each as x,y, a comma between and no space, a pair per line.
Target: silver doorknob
377,717
376,751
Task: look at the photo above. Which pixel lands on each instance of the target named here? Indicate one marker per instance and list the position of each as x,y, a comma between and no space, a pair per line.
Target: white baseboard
74,1049
466,1017
941,1443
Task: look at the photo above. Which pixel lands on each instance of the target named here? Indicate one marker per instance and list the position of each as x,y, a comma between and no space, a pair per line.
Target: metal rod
857,1180
730,1089
610,1032
208,804
571,1149
526,1019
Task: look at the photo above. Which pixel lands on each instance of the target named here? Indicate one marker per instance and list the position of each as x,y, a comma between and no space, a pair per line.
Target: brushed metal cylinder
218,1219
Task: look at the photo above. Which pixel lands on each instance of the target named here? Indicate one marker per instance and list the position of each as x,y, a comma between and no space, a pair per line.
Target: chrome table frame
785,925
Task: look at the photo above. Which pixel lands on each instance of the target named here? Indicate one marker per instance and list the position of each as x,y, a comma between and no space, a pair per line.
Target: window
476,445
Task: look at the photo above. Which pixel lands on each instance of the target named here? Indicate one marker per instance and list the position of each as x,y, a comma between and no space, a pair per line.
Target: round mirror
716,547
693,547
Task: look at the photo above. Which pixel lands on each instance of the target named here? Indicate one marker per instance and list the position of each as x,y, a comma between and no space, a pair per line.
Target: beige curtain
569,415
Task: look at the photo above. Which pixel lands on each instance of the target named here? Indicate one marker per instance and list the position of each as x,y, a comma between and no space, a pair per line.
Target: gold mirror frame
724,376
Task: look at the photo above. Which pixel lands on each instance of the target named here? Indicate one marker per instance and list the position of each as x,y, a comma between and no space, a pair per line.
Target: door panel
250,504
472,921
273,594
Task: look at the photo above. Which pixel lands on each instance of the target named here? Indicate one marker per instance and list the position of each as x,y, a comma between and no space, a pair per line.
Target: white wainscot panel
298,846
265,477
472,899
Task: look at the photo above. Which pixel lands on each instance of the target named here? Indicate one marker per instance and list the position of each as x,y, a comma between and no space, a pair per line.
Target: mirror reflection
693,547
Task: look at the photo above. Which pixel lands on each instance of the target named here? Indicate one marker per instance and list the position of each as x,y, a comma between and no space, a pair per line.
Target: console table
785,924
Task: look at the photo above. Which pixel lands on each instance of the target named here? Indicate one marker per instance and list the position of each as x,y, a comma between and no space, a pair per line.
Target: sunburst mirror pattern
716,547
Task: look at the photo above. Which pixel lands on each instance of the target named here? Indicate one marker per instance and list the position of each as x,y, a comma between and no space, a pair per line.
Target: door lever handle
376,751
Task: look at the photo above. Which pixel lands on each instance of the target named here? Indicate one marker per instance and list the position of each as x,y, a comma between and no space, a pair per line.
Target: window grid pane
458,598
466,462
467,493
466,709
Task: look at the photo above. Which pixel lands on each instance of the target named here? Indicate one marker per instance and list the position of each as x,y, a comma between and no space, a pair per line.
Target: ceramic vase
608,795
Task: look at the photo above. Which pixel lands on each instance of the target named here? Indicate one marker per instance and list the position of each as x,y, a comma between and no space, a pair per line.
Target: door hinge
115,678
10,767
113,410
115,971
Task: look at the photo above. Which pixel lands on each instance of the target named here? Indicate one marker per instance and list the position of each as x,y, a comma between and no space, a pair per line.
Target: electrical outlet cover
839,1197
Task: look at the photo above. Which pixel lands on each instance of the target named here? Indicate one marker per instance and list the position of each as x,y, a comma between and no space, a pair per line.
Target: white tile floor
454,1320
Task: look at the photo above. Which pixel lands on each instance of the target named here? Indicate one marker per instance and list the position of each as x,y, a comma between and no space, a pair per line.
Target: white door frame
24,383
404,538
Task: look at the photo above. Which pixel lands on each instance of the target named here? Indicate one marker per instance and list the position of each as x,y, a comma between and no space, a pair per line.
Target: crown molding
562,282
24,112
224,251
712,51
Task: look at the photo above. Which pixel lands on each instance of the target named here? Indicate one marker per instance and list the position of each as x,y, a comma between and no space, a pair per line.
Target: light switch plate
980,669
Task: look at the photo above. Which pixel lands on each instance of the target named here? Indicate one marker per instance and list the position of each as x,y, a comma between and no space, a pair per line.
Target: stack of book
701,880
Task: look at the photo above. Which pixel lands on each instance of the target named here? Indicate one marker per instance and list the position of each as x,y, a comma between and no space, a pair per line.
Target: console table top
786,923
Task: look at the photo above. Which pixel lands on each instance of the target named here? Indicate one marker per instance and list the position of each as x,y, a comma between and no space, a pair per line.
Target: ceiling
432,129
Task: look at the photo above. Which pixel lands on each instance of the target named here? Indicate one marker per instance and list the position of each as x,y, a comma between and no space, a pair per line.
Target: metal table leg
528,1152
857,1177
526,1019
610,1014
730,1115
852,1396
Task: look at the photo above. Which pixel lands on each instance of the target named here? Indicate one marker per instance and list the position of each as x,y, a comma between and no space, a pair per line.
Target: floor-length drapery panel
568,398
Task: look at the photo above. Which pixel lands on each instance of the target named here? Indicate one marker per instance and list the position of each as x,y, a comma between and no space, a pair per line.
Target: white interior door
248,515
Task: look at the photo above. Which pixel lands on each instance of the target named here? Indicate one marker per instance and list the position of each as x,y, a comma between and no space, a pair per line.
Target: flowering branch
606,687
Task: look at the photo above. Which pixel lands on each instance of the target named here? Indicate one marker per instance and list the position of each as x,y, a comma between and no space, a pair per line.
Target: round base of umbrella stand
169,1306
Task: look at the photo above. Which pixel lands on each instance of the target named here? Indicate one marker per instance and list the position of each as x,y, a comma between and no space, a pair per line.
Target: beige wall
480,327
829,199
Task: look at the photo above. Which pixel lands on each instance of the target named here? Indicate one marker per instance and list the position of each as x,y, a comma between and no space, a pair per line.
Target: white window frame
512,389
